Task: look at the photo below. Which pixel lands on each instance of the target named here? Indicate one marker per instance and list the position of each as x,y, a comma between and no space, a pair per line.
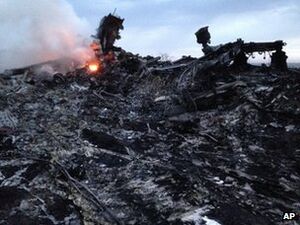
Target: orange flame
94,66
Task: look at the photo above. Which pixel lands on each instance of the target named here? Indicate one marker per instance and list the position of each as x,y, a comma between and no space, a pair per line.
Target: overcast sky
166,26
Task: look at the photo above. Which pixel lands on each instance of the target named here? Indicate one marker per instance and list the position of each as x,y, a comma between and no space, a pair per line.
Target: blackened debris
108,31
194,141
239,50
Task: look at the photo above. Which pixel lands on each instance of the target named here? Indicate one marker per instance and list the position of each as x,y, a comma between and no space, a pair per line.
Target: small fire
94,66
101,60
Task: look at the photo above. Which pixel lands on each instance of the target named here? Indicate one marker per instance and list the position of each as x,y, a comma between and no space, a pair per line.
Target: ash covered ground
151,142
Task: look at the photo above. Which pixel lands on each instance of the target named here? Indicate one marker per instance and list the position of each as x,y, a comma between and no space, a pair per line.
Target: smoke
39,30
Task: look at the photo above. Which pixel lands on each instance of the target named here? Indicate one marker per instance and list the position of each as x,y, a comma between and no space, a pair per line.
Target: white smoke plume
34,31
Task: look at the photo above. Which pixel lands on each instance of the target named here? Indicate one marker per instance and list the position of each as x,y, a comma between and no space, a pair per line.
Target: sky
159,27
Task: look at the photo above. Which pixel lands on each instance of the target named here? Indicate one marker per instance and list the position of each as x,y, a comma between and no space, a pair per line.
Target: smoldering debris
151,142
145,141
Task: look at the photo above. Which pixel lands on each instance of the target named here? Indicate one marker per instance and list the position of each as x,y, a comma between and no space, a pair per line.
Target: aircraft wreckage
126,139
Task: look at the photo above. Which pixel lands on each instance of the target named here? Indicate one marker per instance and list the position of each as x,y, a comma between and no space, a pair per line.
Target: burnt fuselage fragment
278,58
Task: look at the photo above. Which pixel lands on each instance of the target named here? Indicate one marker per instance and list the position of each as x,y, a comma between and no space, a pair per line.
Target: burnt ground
143,144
